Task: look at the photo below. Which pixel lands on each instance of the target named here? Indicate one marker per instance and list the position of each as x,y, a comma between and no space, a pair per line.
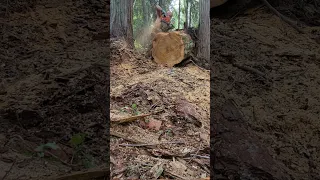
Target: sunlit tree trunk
161,3
145,12
186,12
179,14
204,31
189,16
121,20
153,6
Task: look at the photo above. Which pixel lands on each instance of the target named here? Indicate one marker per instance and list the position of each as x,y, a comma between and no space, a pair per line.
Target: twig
250,69
152,144
132,118
284,18
14,162
175,175
194,155
123,136
199,156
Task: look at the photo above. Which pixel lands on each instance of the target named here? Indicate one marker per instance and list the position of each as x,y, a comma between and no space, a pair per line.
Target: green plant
124,109
135,109
77,139
77,142
168,132
41,149
88,161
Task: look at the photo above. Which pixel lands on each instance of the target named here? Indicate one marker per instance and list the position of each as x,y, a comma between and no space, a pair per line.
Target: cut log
169,49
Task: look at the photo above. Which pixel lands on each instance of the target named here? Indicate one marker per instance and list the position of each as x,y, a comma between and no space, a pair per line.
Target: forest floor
266,117
139,87
53,85
52,88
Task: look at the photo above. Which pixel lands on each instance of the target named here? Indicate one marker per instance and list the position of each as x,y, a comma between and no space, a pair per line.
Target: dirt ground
266,117
53,86
138,81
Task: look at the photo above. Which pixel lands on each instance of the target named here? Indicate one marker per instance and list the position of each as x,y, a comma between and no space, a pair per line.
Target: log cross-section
168,48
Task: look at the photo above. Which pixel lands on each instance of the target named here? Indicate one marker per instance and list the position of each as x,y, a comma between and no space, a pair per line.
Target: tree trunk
145,13
121,20
204,31
186,12
161,3
189,16
179,14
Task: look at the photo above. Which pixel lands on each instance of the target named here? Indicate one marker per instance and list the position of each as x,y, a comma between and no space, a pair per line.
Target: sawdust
153,89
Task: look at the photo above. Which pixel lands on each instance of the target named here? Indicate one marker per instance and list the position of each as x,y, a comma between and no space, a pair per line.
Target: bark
189,16
186,12
161,3
179,14
121,20
153,6
145,13
204,31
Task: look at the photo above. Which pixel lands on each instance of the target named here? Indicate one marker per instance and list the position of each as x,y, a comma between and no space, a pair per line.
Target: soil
265,117
54,86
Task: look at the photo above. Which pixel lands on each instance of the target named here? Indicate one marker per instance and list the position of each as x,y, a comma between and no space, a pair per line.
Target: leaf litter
178,121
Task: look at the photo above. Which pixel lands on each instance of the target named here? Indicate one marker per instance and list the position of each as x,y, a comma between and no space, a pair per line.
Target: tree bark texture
121,20
145,12
186,12
179,14
204,31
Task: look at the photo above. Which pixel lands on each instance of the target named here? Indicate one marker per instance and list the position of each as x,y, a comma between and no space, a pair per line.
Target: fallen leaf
157,170
205,137
178,166
154,124
163,153
188,111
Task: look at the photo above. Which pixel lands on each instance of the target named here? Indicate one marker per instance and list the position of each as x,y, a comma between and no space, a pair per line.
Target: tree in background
186,13
121,20
204,31
179,14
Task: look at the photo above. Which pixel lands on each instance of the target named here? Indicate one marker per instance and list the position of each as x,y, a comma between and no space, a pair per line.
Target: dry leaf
205,137
157,170
188,111
154,124
178,166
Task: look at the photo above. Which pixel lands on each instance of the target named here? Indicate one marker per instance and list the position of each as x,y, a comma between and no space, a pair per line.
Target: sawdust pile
180,108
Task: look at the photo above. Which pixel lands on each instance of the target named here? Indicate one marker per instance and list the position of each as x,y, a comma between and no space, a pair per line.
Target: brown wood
168,48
